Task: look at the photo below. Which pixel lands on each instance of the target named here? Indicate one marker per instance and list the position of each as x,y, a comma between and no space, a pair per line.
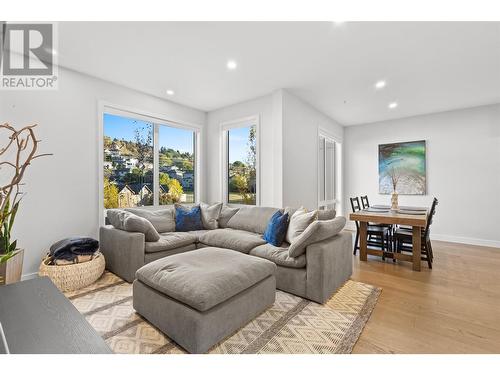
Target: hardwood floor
453,308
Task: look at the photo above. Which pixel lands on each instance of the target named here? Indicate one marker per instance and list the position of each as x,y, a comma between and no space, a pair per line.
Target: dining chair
366,204
364,201
403,238
377,231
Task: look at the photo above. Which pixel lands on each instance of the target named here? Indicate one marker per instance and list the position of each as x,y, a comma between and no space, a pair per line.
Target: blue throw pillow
187,219
276,229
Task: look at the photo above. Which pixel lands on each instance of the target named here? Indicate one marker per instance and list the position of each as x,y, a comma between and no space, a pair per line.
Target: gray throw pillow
326,214
290,211
226,213
130,222
210,215
163,220
318,231
299,221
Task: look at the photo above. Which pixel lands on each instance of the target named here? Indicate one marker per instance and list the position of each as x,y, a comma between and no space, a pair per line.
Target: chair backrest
355,204
364,201
432,211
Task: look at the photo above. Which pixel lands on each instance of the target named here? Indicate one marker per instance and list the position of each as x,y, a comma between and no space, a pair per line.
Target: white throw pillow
318,231
210,215
299,222
130,222
163,220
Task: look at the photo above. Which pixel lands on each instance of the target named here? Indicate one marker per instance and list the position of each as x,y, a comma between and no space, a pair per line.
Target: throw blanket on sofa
70,248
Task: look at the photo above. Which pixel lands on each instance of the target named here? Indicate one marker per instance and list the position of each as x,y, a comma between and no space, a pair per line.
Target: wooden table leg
417,247
363,235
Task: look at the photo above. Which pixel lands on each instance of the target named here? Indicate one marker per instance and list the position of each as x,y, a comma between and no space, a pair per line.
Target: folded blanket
71,248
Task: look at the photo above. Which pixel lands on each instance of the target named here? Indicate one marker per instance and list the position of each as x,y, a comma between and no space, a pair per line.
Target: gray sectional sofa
320,264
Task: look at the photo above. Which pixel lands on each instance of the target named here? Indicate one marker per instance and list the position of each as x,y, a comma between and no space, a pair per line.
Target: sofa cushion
234,239
130,222
299,221
163,220
210,215
276,229
206,277
187,218
279,255
198,233
169,241
252,219
318,231
226,213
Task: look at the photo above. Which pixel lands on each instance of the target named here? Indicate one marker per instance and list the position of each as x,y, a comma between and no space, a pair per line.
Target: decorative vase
10,271
394,201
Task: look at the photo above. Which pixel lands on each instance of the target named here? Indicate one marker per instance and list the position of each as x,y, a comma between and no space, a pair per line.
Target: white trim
465,240
337,160
157,120
156,163
446,238
224,128
148,116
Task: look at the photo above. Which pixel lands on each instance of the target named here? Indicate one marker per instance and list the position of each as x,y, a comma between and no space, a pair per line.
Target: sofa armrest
124,251
329,266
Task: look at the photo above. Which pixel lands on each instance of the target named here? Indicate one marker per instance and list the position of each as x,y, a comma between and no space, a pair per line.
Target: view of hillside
128,166
242,165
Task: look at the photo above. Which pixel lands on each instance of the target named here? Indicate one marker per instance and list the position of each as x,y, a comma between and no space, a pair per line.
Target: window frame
337,173
225,127
157,120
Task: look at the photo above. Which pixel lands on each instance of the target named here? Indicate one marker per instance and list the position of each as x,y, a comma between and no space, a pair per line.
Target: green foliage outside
242,181
110,194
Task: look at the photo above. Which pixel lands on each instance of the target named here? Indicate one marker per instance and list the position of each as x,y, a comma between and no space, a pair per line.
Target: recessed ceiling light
393,105
380,85
231,64
170,92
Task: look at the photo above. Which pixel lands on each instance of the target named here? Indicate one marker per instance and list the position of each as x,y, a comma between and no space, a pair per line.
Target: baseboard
465,240
28,276
448,238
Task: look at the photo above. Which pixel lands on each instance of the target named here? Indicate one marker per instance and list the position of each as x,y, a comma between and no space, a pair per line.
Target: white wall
62,190
463,169
288,148
301,124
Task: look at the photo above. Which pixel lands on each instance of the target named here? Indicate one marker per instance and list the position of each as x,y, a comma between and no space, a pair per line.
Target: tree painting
402,168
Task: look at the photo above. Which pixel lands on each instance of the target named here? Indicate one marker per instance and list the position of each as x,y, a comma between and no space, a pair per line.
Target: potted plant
17,151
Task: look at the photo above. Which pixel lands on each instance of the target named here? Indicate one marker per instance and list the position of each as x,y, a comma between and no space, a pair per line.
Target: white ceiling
428,67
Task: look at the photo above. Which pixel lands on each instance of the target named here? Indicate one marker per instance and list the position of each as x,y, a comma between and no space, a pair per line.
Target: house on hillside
174,172
187,181
135,194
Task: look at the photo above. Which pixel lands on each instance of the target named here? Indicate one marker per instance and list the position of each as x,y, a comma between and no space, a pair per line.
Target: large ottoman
199,297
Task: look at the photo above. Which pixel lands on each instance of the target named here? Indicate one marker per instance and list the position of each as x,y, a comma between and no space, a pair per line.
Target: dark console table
37,318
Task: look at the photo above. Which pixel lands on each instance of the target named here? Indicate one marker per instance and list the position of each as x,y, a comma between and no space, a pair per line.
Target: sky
178,139
123,128
238,138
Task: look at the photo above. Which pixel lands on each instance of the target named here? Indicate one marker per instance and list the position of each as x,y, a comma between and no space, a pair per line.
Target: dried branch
22,140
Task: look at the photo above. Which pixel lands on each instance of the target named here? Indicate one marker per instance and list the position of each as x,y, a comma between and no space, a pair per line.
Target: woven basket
73,276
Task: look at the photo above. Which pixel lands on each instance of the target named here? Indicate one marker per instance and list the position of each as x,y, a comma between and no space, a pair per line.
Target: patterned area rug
292,325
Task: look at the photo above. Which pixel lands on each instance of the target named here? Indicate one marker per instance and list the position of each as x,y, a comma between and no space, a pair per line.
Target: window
176,165
128,162
146,163
328,184
241,163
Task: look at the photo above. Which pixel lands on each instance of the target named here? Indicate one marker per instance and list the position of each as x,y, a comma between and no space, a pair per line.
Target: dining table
415,217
